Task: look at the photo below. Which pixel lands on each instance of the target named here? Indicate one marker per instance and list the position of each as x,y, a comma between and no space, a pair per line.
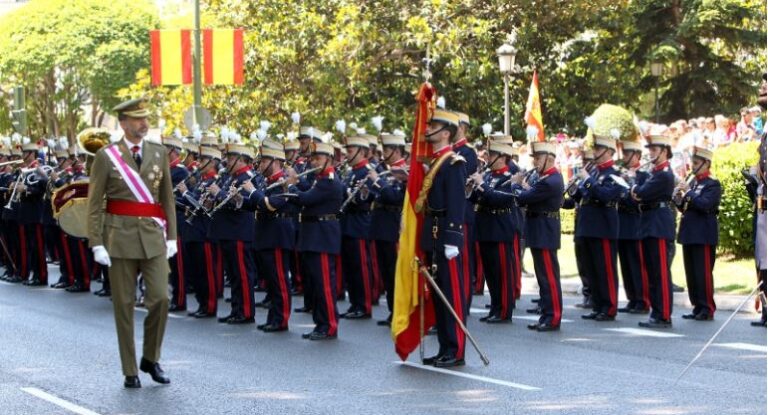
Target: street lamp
656,69
506,54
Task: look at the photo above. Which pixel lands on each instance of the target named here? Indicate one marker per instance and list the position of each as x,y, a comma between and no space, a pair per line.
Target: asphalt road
59,356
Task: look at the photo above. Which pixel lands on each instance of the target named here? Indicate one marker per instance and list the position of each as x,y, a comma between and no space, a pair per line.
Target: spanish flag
408,282
533,107
223,56
171,57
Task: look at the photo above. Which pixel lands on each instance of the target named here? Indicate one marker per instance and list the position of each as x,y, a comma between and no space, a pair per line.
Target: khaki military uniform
135,245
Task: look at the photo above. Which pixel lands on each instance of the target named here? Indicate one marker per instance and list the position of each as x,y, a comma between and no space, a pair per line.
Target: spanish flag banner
406,316
223,56
533,108
171,57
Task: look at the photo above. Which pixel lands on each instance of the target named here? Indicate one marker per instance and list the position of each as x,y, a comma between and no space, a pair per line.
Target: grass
732,276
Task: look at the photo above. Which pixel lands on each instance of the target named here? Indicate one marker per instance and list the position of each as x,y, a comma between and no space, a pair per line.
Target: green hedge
735,207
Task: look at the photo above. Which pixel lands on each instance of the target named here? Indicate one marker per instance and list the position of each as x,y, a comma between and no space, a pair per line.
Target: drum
70,208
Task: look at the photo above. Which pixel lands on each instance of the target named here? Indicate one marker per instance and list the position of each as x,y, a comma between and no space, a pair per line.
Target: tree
68,54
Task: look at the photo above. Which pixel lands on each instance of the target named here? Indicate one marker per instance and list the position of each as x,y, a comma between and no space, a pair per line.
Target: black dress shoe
488,306
535,300
536,310
532,326
14,279
449,361
241,320
586,303
263,304
689,316
103,293
132,382
653,323
274,328
497,320
175,308
316,336
357,315
154,370
306,335
302,310
590,316
430,360
33,283
384,323
626,309
546,327
204,314
758,323
225,318
604,317
677,289
641,310
228,300
261,326
485,318
60,285
77,288
192,313
703,316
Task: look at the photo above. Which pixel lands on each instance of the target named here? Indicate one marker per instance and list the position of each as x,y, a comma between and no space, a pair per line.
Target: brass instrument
683,188
11,163
282,182
360,185
92,140
575,181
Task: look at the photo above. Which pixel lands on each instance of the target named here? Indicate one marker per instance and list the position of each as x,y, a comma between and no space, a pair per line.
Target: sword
433,284
728,320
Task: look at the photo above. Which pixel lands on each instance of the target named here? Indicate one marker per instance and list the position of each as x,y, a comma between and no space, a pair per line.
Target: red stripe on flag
154,40
186,57
208,56
238,56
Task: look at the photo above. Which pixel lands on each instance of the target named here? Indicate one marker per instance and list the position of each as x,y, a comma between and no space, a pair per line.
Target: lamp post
656,69
506,54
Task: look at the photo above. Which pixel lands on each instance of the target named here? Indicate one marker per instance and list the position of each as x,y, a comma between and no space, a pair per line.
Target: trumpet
575,182
683,188
34,175
302,174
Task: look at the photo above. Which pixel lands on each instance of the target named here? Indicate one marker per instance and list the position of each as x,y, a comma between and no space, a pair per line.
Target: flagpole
198,116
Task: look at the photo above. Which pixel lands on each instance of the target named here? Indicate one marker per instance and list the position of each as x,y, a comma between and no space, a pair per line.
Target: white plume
235,137
326,138
441,102
161,124
224,133
280,136
590,121
531,132
487,129
292,135
296,117
25,141
261,134
341,126
7,142
615,133
361,131
353,125
254,135
265,125
64,143
197,135
378,122
398,132
51,142
177,133
16,138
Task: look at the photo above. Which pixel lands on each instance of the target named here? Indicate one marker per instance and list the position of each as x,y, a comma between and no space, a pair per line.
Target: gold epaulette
456,158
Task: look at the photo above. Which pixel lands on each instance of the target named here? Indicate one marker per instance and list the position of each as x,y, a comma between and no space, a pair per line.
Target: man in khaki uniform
126,233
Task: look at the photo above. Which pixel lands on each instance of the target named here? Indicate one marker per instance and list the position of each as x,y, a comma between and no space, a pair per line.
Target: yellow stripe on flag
170,55
223,56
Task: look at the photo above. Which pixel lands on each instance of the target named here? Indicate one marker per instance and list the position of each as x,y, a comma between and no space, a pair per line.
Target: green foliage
68,54
735,208
567,221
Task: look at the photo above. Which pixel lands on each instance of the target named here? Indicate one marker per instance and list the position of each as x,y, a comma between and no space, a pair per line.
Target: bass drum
70,208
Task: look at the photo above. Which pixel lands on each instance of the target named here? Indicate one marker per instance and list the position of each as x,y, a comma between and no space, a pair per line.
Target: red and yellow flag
408,282
533,107
223,56
171,56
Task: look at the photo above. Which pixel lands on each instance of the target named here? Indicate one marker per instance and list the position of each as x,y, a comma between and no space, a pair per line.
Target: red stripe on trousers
182,298
283,286
210,276
366,277
609,275
244,280
518,270
86,268
465,266
326,271
67,259
458,306
552,288
708,280
665,311
41,253
644,276
23,250
504,276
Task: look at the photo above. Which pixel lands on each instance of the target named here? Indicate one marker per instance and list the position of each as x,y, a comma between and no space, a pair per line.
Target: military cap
173,142
659,141
463,118
505,149
273,153
502,139
192,148
607,142
211,152
241,150
134,108
272,144
392,139
702,153
356,141
445,117
311,132
631,146
292,145
538,147
323,148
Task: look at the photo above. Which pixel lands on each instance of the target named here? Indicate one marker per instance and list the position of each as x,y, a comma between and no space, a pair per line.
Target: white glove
101,255
171,248
451,252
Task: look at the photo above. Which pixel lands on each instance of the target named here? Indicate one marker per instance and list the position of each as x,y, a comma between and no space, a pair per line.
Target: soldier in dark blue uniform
699,202
542,200
81,257
320,239
6,178
442,200
658,233
275,235
388,193
572,200
201,250
30,214
291,148
234,228
11,218
468,257
633,270
498,231
177,277
600,189
60,177
355,224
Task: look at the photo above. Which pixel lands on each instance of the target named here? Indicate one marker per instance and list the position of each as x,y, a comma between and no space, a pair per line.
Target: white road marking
743,346
144,310
59,402
529,318
644,332
470,376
